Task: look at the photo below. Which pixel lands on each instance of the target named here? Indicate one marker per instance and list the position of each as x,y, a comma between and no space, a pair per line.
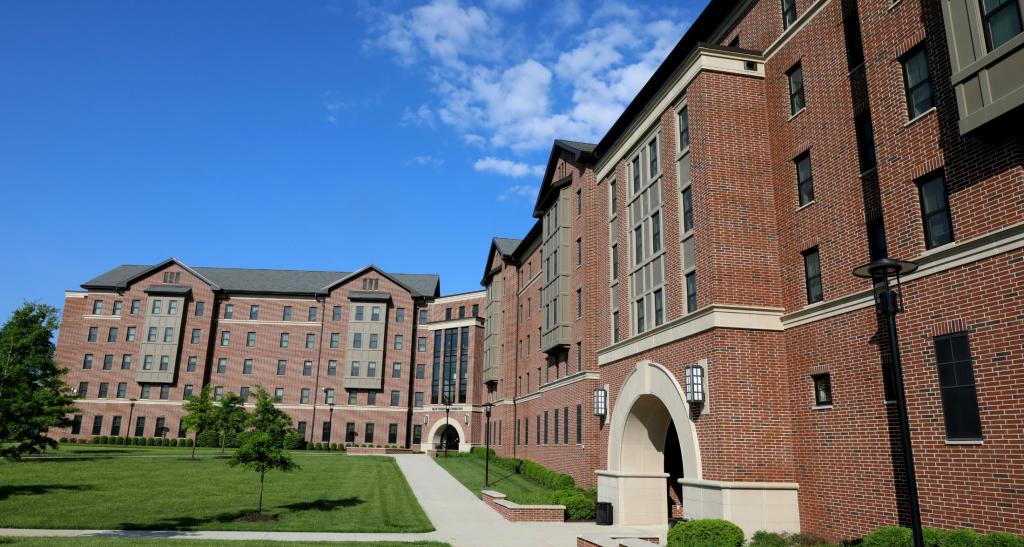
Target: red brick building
711,233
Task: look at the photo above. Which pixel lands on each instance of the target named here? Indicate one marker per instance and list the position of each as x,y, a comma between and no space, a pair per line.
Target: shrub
769,539
890,536
959,538
1000,539
578,505
705,533
294,441
334,446
342,447
208,439
546,477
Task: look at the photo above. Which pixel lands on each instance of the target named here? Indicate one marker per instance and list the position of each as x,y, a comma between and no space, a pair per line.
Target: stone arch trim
438,424
650,378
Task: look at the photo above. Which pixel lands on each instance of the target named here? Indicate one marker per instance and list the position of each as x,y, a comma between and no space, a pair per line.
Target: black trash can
604,513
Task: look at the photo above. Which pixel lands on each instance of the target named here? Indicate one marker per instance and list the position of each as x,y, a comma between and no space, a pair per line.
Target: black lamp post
888,303
487,445
330,415
447,409
131,409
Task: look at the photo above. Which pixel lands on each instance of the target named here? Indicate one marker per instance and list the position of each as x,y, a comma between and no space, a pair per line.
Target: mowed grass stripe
331,493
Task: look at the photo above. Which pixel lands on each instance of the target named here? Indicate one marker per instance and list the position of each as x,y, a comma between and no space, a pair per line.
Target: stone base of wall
514,512
361,451
596,540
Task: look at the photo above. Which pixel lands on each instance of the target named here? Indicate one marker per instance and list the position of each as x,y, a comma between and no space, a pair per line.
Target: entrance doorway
447,438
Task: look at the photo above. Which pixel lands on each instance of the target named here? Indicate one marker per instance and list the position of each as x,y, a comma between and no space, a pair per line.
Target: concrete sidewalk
459,517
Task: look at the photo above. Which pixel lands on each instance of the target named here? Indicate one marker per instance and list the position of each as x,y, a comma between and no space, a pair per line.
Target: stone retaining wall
514,512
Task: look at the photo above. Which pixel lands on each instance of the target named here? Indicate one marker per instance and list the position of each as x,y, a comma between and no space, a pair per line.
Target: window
476,310
93,333
579,424
865,142
229,311
636,175
108,362
304,396
222,365
353,398
97,425
122,390
172,307
250,339
462,312
615,262
282,365
140,426
130,335
354,369
126,361
279,394
310,340
329,396
373,341
691,292
417,434
368,434
612,199
396,370
375,313
302,428
579,202
136,306
659,307
164,362
191,366
421,344
155,307
200,309
652,156
117,308
76,424
917,79
579,303
144,394
579,356
812,275
336,313
218,392
104,387
399,315
447,313
788,13
371,398
159,429
615,327
247,366
424,317
638,248
371,369
399,341
112,334
371,284
684,128
165,392
115,426
151,334
284,340
307,368
419,399
796,89
147,362
546,427
687,209
640,325
350,432
312,314
655,232
394,398
935,214
83,390
1001,20
187,392
332,368
804,182
956,380
822,389
225,338
421,371
392,433
196,334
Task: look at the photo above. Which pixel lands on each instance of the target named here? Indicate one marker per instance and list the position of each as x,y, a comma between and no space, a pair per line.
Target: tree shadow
185,523
37,489
322,504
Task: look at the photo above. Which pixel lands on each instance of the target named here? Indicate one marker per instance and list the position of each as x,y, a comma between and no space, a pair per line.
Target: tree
230,416
200,415
33,395
261,447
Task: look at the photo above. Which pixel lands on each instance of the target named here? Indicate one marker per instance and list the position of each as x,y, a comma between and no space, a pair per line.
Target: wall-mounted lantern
694,384
465,419
426,419
600,402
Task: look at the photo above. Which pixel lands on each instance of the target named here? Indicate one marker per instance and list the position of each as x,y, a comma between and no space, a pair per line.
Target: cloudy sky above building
300,135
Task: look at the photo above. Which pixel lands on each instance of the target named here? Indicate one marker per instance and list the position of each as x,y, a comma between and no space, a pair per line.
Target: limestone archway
649,403
434,436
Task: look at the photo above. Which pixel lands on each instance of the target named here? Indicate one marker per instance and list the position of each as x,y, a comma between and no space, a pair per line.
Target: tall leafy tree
33,395
200,415
261,446
230,417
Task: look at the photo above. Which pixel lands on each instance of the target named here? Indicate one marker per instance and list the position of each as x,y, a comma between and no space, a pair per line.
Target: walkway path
460,518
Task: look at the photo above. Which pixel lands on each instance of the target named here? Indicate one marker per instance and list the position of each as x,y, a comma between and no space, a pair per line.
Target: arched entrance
447,438
450,432
652,443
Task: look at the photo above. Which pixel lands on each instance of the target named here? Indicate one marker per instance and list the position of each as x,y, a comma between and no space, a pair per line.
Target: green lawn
130,542
469,470
114,487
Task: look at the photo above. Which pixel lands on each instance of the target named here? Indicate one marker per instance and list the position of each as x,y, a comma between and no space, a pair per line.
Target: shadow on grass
37,489
322,504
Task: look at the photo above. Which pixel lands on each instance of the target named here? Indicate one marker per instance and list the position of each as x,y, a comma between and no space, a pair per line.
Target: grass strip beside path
469,470
130,542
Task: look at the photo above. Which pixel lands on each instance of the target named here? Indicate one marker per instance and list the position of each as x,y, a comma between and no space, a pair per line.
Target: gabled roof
581,151
264,281
400,280
502,245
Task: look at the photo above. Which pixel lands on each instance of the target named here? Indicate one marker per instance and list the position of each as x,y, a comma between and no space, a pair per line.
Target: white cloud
508,168
426,161
422,116
507,5
518,192
334,109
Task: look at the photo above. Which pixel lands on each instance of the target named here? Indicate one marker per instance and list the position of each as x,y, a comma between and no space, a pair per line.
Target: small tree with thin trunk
200,415
33,396
261,446
230,417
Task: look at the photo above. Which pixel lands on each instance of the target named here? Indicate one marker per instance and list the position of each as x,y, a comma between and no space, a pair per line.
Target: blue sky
301,135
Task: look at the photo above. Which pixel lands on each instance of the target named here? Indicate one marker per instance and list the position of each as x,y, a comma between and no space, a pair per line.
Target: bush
890,536
1000,539
578,504
546,477
959,538
705,533
334,446
770,539
294,441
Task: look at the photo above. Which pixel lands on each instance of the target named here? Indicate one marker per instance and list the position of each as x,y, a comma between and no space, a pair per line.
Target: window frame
945,211
797,67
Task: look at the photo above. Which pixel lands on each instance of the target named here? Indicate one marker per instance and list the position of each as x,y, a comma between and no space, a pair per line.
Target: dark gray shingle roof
253,280
584,147
506,246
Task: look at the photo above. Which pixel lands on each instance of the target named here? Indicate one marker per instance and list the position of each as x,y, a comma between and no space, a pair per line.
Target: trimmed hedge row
532,470
129,441
722,533
933,537
579,504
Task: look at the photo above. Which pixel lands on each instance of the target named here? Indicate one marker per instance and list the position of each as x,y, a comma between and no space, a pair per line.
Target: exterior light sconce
425,419
694,384
600,402
465,419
